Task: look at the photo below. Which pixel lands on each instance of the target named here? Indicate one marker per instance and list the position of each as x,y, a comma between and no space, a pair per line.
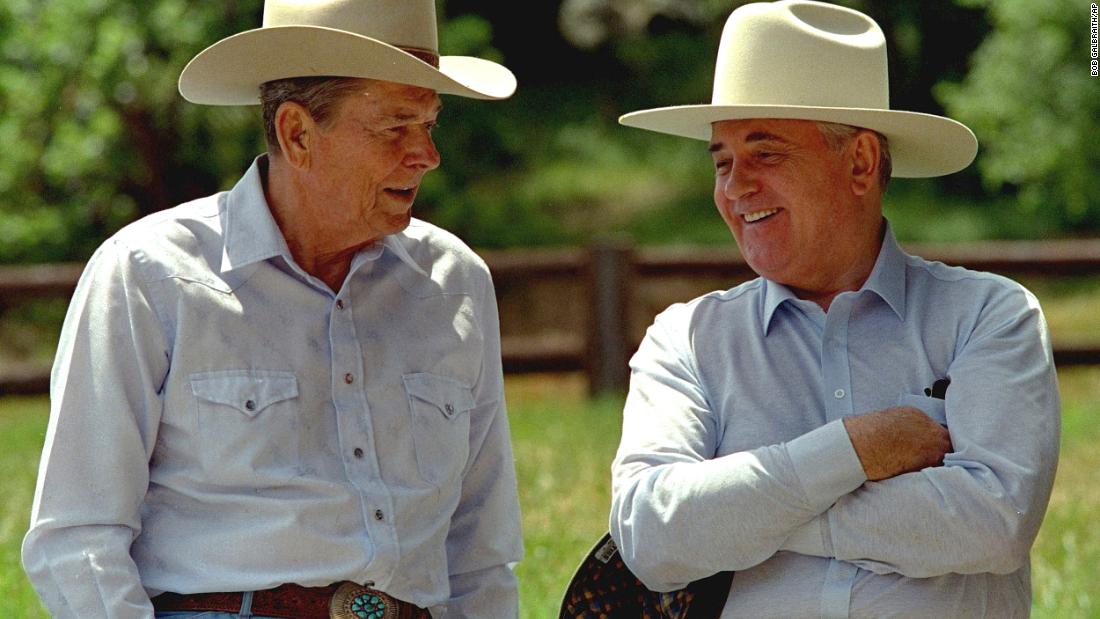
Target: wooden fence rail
605,280
603,358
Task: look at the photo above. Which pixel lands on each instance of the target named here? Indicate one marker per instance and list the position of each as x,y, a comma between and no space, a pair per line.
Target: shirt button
339,304
378,515
358,452
250,405
449,409
348,378
839,394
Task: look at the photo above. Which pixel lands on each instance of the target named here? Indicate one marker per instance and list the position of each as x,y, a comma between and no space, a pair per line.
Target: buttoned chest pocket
247,423
933,407
440,417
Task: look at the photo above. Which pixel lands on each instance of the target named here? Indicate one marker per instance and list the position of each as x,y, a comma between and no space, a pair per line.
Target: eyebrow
755,136
403,116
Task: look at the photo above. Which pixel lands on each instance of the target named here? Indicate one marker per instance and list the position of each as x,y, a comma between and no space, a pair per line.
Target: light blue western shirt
223,421
734,455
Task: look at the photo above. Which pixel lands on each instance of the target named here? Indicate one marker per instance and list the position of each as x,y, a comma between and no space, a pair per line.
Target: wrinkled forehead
729,133
397,101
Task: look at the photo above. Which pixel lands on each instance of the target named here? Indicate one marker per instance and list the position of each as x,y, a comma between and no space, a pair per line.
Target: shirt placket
837,383
357,439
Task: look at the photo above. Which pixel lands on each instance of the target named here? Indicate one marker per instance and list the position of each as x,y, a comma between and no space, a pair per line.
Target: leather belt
345,600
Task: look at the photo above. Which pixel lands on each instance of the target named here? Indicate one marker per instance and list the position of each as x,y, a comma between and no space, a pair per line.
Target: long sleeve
485,540
221,419
981,510
734,455
105,408
678,512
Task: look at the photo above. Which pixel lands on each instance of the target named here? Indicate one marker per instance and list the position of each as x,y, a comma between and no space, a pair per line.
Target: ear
863,154
295,129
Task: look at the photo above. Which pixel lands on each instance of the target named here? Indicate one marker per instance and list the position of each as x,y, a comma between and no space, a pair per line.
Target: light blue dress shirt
223,421
734,455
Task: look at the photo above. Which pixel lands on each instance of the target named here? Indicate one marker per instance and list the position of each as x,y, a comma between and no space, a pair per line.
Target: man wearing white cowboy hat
858,432
285,400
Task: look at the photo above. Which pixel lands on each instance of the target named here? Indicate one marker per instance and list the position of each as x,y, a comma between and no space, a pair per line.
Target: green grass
1070,306
22,430
564,444
1066,555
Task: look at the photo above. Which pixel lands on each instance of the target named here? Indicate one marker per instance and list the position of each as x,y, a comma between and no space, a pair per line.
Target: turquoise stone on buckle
352,601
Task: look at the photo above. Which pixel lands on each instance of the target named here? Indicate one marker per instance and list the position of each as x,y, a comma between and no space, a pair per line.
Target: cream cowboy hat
391,40
814,61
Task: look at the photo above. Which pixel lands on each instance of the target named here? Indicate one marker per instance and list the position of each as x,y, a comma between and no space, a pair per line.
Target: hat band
427,56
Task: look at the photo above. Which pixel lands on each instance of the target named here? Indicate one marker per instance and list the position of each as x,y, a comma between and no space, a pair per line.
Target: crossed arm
890,490
897,440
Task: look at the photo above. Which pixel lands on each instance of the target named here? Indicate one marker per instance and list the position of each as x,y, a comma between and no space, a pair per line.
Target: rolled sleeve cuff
826,464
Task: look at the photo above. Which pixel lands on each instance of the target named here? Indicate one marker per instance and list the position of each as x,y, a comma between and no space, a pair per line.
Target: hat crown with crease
805,60
779,54
390,40
401,23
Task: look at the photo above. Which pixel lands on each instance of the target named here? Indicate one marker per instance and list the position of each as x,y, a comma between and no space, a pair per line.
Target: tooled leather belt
344,600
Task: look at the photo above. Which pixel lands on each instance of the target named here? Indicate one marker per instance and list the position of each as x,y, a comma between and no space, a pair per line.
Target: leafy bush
1031,100
95,131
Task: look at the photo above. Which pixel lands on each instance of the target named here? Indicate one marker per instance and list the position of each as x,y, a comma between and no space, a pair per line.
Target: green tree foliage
1030,98
97,135
94,130
570,172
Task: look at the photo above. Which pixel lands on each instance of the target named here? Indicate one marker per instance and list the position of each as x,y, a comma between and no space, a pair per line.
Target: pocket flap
447,394
247,391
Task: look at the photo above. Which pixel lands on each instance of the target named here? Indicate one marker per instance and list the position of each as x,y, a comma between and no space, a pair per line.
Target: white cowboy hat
814,61
391,40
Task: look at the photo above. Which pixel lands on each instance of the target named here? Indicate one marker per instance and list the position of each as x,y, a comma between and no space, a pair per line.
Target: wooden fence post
611,273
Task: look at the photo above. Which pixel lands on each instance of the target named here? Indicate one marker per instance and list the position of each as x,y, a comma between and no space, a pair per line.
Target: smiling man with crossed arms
858,432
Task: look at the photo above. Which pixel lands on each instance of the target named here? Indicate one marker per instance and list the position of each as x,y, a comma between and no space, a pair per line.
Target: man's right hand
897,440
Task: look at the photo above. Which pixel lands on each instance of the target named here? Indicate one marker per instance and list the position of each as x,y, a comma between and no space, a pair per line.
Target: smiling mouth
758,215
406,193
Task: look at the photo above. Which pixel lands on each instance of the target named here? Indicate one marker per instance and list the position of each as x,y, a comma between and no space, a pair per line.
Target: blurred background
95,135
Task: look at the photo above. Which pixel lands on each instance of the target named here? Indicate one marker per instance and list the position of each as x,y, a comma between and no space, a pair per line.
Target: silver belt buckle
352,601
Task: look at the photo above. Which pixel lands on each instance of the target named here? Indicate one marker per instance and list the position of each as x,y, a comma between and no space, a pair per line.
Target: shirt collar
887,280
774,296
252,236
396,244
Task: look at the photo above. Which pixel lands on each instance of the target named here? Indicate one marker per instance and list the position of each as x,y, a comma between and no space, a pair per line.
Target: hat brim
921,145
230,71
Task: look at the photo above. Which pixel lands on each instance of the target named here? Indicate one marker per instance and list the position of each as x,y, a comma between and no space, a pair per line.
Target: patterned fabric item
337,601
604,588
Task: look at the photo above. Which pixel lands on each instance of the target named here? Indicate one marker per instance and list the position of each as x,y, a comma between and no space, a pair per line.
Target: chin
766,267
397,223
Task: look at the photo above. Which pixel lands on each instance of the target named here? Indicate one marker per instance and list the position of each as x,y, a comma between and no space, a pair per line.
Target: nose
421,151
740,182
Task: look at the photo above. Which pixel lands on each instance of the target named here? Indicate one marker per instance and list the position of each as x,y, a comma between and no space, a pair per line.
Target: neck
852,277
319,250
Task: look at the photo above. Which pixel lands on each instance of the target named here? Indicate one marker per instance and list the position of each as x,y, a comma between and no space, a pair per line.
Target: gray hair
838,136
319,95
